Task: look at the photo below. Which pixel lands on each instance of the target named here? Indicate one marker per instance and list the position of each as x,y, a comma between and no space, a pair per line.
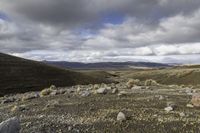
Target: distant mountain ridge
104,65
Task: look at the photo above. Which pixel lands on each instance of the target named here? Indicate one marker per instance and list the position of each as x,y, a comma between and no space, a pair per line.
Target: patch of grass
179,76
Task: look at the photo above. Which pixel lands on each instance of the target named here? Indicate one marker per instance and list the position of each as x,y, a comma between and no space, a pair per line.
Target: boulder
101,91
85,94
114,91
11,125
121,116
168,109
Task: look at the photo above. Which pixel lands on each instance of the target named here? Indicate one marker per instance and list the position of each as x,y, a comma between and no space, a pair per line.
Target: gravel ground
79,109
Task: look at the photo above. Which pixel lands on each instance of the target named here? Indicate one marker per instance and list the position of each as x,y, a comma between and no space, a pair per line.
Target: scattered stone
109,88
11,125
103,85
69,128
171,104
161,97
18,108
53,93
189,91
181,114
190,106
122,93
136,87
160,119
132,82
96,86
196,100
8,100
155,115
30,96
52,104
61,91
147,87
45,92
121,116
168,109
101,91
85,94
79,89
151,82
114,91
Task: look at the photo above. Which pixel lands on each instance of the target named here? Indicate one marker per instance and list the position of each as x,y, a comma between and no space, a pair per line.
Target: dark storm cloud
72,12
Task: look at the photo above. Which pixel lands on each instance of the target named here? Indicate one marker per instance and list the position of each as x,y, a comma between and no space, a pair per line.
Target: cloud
69,29
73,12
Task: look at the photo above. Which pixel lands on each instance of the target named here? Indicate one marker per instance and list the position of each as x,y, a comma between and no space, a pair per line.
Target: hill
187,75
22,75
107,65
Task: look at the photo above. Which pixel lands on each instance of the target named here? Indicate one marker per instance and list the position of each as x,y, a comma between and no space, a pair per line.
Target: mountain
22,75
106,65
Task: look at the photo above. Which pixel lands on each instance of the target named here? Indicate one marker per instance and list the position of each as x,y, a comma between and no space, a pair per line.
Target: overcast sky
166,31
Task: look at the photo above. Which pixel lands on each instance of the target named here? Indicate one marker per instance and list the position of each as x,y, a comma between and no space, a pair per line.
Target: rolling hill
179,75
21,75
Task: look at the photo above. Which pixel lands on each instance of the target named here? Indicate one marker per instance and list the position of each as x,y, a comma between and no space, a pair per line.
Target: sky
165,31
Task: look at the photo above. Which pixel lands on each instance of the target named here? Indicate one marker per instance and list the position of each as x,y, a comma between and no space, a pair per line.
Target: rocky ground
124,107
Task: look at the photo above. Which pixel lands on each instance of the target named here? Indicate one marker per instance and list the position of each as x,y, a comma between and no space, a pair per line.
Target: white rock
161,97
136,88
109,88
11,125
101,91
53,93
121,116
96,86
190,106
122,93
168,109
69,128
182,114
114,91
85,94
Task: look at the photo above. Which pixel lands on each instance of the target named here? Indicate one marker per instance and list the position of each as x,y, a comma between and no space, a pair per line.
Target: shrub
133,82
150,82
48,91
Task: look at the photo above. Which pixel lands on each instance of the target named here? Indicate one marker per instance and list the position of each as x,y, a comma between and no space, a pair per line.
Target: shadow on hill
20,75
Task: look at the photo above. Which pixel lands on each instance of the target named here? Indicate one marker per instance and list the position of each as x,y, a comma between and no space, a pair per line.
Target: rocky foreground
133,106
